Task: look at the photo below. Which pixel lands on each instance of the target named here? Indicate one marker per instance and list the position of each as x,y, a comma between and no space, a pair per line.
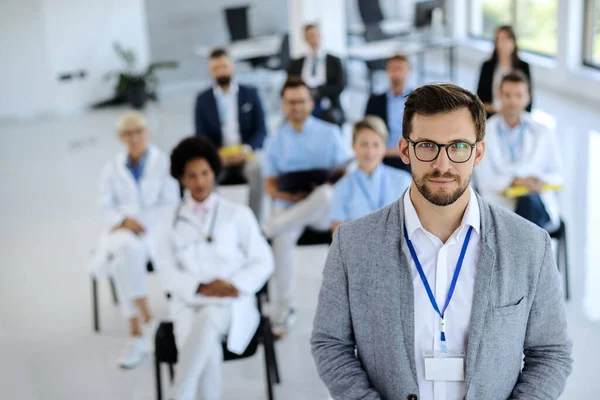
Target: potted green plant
134,85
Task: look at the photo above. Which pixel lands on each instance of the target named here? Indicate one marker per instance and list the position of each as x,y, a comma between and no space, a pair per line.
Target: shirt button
412,397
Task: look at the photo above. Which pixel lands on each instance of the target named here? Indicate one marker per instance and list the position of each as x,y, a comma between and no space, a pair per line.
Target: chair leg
113,290
268,357
95,305
270,343
157,378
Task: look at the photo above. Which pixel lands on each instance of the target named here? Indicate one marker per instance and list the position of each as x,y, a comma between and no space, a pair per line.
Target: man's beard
223,81
441,199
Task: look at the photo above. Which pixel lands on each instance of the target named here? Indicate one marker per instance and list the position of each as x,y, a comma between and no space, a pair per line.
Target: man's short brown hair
218,53
515,76
310,26
443,98
293,82
397,57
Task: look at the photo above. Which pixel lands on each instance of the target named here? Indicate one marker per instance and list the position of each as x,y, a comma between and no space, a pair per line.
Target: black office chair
166,349
113,290
370,12
237,22
562,256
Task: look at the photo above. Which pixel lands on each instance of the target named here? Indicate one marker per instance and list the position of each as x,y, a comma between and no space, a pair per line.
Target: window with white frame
591,40
534,21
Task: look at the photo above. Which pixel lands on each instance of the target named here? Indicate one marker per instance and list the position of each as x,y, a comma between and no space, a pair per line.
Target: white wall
40,39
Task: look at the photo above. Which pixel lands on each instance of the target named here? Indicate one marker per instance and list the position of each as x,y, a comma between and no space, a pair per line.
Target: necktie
313,71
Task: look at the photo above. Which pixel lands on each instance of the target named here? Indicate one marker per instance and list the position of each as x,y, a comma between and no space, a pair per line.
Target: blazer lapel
407,297
483,281
212,109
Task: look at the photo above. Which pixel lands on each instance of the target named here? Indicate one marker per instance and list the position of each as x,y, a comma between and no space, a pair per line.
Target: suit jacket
335,78
377,105
251,117
486,81
367,300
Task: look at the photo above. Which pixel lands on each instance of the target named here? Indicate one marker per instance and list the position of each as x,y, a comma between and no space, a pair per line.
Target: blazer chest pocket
513,307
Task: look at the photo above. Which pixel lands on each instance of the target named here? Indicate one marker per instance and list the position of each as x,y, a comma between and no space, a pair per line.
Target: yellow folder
234,150
519,191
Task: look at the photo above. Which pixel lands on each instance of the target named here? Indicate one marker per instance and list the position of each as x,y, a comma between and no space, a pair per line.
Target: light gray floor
50,169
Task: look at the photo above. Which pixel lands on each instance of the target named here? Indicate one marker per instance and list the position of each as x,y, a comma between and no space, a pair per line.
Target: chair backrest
237,23
284,52
370,11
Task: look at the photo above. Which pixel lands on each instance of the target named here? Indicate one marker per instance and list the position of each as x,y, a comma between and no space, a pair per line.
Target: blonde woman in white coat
135,188
521,152
212,259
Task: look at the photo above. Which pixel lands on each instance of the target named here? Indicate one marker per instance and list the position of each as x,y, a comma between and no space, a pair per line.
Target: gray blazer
367,300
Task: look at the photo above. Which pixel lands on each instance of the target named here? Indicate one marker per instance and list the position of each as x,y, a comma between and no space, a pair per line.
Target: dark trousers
532,209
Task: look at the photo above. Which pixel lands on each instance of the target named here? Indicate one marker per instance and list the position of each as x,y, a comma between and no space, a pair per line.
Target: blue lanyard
509,145
441,313
365,192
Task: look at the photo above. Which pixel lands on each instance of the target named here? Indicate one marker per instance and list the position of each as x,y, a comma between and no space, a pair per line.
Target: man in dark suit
231,115
389,106
324,74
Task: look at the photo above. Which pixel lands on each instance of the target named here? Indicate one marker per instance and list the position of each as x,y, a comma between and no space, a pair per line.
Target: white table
381,50
390,27
255,47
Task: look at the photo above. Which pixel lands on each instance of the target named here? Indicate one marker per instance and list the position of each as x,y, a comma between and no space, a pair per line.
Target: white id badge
444,367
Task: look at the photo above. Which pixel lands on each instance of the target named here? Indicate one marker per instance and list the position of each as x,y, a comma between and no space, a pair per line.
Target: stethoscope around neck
209,238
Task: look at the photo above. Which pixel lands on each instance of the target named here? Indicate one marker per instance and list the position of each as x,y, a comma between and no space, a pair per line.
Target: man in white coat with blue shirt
521,153
135,188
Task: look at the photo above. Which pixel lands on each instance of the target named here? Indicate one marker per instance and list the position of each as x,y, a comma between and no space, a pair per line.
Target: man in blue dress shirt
389,106
372,185
302,143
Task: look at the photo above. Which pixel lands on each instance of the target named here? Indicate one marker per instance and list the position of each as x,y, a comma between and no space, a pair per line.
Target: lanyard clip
443,326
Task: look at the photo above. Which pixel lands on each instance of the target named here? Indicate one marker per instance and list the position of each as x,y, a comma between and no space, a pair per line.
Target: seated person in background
521,152
135,188
505,59
302,143
389,106
324,75
212,258
373,185
231,115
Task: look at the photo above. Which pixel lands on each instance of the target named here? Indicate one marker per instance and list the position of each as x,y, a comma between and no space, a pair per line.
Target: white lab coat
238,254
121,197
541,159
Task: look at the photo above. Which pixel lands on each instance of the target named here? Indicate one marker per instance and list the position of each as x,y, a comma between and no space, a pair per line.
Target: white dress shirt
537,154
439,263
320,76
227,105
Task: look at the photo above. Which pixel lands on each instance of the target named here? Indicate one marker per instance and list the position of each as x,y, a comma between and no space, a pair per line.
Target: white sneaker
134,353
284,321
149,333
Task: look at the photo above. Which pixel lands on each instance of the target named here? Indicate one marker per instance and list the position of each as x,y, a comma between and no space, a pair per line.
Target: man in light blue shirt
304,143
372,185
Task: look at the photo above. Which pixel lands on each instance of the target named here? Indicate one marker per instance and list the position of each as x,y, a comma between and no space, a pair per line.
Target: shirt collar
392,95
375,176
140,163
471,216
320,54
306,126
505,128
207,205
233,89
